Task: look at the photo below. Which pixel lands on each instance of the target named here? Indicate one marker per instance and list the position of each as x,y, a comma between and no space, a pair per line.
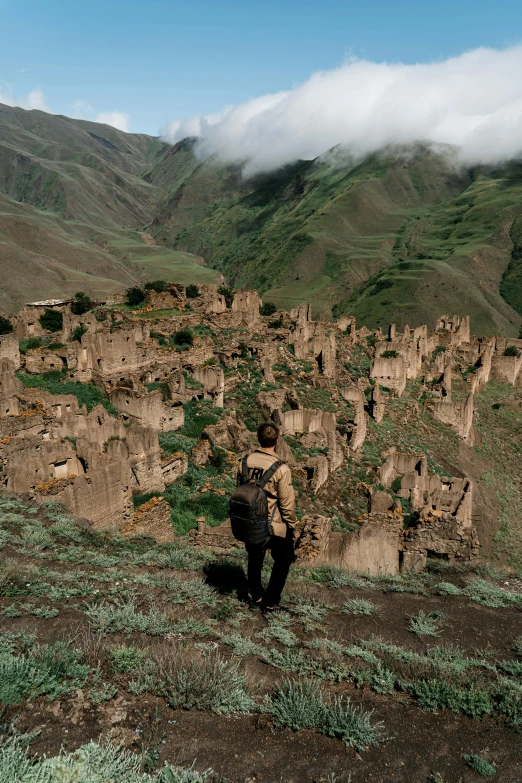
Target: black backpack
248,507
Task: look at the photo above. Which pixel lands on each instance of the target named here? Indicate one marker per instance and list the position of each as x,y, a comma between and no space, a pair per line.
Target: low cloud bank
473,101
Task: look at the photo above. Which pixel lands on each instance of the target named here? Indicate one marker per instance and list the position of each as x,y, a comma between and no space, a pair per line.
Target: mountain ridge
399,235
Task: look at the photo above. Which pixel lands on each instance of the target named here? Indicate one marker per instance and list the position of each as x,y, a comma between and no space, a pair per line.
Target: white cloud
81,110
117,119
35,99
473,101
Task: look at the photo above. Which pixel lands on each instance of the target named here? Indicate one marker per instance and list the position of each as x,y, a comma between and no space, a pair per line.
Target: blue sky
158,61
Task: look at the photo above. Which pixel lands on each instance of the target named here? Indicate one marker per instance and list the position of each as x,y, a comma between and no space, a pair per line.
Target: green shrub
30,343
81,303
267,308
396,485
55,346
134,296
86,393
126,659
448,588
511,350
51,320
480,765
171,442
123,616
6,327
359,606
156,285
228,293
182,338
78,332
53,670
91,763
206,682
517,645
426,624
389,355
192,291
435,693
302,704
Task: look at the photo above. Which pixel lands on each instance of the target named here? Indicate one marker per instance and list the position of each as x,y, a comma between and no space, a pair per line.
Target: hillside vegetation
399,236
396,237
73,206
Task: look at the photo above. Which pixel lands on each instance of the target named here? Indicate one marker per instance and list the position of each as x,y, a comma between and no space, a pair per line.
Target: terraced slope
401,236
397,237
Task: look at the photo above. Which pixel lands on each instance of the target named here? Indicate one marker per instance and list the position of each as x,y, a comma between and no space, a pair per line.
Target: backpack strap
244,470
267,475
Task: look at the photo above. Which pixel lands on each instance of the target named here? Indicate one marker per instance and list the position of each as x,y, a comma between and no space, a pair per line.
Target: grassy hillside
142,647
73,204
401,236
396,237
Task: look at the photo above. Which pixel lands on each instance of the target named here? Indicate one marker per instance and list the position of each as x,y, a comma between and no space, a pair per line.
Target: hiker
262,514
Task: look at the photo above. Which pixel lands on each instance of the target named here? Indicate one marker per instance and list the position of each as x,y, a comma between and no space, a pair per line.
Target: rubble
94,461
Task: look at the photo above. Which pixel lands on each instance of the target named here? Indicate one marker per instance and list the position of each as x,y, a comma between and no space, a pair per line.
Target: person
281,512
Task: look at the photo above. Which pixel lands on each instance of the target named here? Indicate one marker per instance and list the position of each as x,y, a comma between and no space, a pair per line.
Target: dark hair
267,434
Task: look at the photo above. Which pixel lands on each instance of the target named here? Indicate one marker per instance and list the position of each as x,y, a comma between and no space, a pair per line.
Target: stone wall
390,373
9,349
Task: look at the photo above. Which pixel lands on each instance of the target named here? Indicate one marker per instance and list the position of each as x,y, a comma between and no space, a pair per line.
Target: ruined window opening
309,472
127,402
99,361
437,555
99,421
60,469
67,407
320,363
83,462
418,467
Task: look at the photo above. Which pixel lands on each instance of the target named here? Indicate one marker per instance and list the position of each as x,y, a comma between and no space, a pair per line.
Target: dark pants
282,550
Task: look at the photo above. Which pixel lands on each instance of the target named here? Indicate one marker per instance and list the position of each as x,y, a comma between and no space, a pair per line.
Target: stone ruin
94,462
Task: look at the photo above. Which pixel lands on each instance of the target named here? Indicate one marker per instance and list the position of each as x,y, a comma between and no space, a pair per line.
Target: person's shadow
227,577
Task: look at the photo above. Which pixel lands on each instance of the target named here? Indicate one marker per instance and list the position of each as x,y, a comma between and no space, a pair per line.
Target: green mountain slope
400,236
73,204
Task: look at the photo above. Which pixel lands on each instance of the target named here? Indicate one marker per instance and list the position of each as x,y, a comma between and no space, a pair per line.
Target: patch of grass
426,624
480,765
278,630
173,442
92,763
123,616
303,704
437,693
204,682
517,645
126,659
359,606
488,594
447,588
53,382
51,670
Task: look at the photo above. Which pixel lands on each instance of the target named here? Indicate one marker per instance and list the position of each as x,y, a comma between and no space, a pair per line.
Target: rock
381,501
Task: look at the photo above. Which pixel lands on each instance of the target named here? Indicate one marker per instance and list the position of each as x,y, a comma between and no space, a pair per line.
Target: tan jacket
279,489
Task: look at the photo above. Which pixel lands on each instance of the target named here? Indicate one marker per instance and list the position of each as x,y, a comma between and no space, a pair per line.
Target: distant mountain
73,207
401,236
